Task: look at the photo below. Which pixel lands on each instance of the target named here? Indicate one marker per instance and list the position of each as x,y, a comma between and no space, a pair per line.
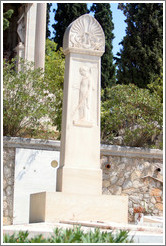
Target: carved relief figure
85,91
84,94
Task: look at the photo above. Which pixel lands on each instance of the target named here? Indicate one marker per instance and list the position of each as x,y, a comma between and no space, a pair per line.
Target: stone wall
135,172
8,184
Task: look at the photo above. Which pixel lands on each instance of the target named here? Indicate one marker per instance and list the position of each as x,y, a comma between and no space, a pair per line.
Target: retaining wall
136,172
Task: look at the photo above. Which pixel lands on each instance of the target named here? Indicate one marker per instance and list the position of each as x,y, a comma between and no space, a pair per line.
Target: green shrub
75,235
131,112
29,96
24,98
54,78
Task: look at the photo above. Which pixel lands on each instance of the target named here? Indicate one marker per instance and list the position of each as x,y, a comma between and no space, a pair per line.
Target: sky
118,20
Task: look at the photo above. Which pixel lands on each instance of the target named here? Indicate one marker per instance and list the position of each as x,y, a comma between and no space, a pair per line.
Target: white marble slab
33,173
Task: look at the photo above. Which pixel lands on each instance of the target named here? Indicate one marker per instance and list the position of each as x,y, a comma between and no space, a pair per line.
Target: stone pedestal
80,181
53,207
20,49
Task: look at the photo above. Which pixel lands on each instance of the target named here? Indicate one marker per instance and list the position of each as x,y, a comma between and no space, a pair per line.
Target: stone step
153,220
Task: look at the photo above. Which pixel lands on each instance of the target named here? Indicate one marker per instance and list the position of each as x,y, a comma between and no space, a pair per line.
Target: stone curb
30,143
126,151
114,150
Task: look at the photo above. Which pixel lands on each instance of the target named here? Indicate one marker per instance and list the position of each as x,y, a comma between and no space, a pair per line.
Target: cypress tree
48,20
103,15
64,15
139,60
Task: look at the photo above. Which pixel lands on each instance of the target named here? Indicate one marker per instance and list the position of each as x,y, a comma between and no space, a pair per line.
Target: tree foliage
140,58
48,33
6,16
23,94
54,78
131,112
156,85
64,15
33,99
103,15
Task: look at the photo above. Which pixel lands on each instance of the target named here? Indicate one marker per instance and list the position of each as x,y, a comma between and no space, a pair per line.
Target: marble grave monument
78,194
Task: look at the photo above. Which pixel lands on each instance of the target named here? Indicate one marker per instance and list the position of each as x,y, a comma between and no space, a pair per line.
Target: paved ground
151,233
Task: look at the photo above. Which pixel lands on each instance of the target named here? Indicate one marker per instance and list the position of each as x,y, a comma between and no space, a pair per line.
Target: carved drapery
21,28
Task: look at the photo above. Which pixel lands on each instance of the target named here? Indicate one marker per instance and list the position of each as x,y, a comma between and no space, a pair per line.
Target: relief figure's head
84,70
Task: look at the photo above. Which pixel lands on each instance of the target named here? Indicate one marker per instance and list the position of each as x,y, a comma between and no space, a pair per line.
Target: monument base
56,206
79,181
